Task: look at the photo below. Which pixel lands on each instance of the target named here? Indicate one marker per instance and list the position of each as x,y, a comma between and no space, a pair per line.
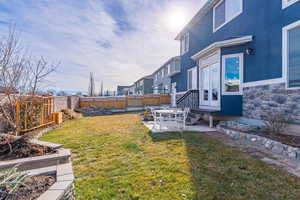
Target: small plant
147,115
276,122
10,181
70,115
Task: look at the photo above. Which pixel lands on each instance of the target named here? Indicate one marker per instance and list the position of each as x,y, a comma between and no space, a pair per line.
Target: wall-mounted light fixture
250,51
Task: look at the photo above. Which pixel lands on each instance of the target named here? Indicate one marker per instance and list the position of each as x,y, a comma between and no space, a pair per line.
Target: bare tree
21,76
91,85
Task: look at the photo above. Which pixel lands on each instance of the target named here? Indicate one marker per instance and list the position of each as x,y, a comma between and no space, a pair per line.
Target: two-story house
144,86
242,57
162,76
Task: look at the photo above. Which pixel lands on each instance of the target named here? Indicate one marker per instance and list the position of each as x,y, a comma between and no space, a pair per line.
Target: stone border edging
288,151
63,187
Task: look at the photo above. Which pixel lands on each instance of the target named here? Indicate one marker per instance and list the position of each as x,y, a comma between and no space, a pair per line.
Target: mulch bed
34,187
12,147
285,139
93,111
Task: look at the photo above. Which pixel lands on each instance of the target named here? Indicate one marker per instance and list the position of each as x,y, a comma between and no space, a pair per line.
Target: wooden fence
34,113
125,102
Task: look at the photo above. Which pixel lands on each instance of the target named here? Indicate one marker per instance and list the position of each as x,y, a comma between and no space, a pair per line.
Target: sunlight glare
176,19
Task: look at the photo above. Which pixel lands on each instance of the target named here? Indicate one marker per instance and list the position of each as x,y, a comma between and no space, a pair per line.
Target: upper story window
184,46
225,11
232,74
287,3
291,55
166,71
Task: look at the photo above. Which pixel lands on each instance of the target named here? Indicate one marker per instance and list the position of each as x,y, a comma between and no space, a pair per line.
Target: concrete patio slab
195,128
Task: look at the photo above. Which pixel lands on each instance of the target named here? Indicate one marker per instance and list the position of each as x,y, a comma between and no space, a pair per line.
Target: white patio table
168,118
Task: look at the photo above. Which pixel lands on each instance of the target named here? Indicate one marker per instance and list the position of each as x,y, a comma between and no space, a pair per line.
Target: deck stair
193,118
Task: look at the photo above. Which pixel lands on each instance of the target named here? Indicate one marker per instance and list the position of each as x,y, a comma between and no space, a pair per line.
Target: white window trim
185,48
263,82
286,3
229,20
285,53
241,56
188,79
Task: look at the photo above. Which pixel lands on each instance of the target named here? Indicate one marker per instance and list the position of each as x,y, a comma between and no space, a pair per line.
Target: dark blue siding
263,19
232,105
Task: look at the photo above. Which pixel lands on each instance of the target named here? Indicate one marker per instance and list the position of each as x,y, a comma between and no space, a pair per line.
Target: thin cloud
118,42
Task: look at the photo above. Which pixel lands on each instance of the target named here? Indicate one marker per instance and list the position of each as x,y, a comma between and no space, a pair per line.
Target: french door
210,86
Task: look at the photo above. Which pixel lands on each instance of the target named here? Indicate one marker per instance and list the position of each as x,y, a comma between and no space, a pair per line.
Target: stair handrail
186,95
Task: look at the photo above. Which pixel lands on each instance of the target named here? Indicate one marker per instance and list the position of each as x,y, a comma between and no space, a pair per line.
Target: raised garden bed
12,148
34,187
48,164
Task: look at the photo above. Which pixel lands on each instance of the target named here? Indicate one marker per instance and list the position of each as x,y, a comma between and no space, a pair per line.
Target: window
192,78
291,56
225,11
287,3
232,74
184,46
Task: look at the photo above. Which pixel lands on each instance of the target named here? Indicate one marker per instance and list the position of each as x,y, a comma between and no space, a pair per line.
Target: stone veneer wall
259,100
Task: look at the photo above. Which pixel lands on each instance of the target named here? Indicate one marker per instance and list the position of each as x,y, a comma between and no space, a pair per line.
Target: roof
203,11
145,77
224,43
120,87
173,58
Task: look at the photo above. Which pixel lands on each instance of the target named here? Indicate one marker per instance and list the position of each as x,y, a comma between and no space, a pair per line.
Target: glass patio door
210,86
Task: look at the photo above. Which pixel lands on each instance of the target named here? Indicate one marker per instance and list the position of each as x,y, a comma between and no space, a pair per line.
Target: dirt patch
93,111
285,139
34,187
12,147
70,115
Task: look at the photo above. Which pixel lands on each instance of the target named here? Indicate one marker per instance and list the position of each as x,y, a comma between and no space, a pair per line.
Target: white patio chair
158,119
181,119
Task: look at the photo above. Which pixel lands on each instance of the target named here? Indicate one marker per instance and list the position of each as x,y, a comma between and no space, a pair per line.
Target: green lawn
115,157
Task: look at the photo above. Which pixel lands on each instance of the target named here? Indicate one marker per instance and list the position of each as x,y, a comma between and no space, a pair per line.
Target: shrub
70,115
147,115
276,122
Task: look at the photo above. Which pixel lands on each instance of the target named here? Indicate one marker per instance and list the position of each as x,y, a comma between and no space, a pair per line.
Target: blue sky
119,40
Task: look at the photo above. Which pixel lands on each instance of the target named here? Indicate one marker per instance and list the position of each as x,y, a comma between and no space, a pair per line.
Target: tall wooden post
17,118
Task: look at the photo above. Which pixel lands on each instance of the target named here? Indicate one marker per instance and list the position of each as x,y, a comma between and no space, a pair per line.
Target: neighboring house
243,57
131,90
144,86
162,76
123,90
